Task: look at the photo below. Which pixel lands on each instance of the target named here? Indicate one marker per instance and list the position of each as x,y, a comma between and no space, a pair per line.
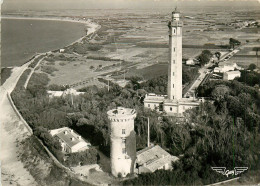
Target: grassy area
5,74
23,79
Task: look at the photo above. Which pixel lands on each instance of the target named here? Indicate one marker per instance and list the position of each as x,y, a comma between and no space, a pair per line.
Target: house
153,158
66,92
231,75
70,141
227,67
190,62
62,50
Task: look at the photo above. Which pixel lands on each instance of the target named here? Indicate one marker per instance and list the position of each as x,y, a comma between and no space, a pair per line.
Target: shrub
48,69
86,157
62,64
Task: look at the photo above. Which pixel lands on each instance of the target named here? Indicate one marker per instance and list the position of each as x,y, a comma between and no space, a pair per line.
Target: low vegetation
48,69
5,74
22,80
87,157
42,168
35,61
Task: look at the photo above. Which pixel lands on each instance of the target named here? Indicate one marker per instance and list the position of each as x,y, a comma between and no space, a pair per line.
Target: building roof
68,136
121,112
154,98
64,93
154,157
232,72
183,101
55,93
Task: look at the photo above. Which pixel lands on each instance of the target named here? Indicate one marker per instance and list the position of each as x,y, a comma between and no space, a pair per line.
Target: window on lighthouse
123,131
172,73
173,61
124,150
172,85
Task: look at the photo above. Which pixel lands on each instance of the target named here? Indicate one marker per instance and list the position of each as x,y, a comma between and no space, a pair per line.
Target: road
12,132
204,71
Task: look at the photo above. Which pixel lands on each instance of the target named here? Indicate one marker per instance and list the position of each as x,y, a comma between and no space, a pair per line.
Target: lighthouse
123,141
174,91
173,103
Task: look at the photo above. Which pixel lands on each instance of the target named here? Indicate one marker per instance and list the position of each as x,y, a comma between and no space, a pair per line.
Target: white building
153,158
66,92
173,103
123,142
227,67
190,62
231,75
70,141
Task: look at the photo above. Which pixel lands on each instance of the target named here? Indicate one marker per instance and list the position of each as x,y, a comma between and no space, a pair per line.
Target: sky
101,4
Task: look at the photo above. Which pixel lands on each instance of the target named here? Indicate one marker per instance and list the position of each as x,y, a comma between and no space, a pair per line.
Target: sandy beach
91,25
13,130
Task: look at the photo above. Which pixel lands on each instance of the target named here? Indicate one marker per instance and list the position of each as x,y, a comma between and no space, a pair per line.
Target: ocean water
21,39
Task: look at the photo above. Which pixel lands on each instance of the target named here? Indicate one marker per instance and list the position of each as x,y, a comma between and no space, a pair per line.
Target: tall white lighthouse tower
175,52
123,142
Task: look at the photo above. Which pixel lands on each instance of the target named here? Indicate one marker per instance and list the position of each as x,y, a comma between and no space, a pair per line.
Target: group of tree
250,78
222,133
204,57
202,138
233,42
159,85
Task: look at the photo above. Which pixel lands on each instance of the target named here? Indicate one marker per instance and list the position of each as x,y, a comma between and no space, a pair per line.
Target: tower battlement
123,142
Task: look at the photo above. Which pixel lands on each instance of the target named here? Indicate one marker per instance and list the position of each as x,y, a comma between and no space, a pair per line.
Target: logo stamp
225,172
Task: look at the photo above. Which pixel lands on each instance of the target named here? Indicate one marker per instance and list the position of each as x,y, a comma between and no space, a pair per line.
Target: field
247,55
136,42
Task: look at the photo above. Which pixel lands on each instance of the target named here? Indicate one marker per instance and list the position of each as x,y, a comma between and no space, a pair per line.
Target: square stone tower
175,62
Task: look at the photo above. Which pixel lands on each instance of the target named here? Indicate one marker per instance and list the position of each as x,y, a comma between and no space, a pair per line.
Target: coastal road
12,132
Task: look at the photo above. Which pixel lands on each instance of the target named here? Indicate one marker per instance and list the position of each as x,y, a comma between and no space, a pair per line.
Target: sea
22,38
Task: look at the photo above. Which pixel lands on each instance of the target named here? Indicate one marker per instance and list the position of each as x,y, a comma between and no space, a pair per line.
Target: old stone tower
175,62
123,142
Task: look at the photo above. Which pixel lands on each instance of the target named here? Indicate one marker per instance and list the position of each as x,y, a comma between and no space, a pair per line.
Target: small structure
153,158
70,140
190,62
231,75
123,142
62,50
66,92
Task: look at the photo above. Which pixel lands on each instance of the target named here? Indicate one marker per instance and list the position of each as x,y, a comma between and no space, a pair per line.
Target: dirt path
12,132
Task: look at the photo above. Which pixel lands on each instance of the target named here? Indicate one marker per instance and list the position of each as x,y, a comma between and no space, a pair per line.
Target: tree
218,55
233,42
204,57
252,66
220,92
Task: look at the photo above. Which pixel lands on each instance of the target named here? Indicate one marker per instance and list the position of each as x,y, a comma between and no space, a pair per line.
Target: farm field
136,42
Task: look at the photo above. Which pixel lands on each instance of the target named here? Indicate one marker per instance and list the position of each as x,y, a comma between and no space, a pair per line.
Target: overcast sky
96,4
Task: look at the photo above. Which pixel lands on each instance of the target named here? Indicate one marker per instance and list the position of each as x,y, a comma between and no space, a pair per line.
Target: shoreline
91,28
